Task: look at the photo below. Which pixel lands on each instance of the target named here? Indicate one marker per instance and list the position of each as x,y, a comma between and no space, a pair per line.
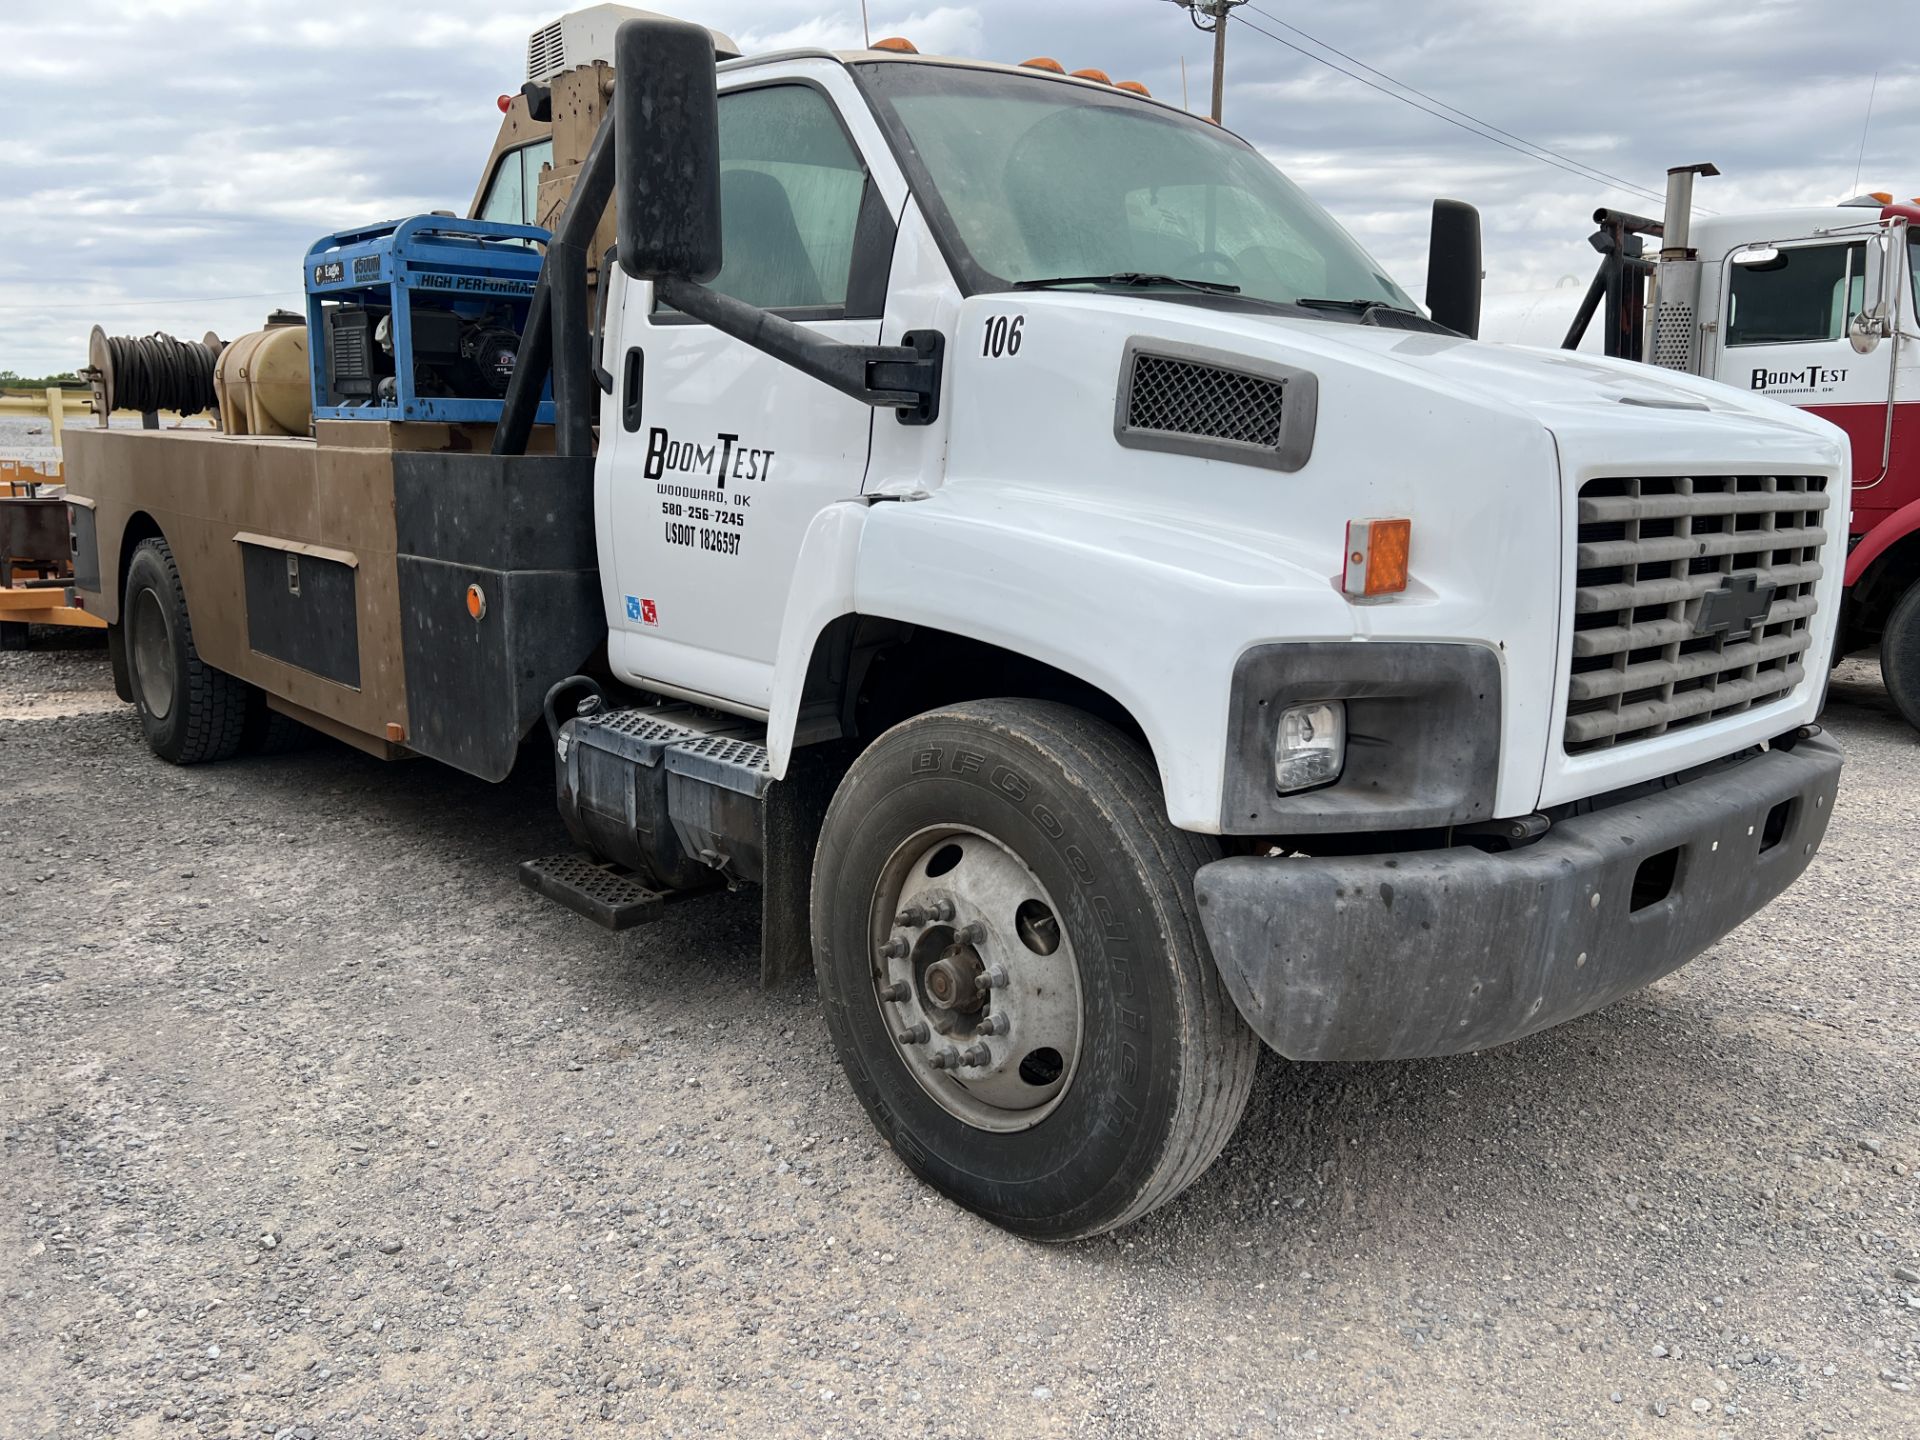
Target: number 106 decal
1003,335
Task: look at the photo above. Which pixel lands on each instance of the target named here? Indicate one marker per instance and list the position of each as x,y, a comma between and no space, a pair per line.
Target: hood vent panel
1185,399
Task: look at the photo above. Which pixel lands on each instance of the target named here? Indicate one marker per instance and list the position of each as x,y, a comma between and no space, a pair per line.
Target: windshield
1035,179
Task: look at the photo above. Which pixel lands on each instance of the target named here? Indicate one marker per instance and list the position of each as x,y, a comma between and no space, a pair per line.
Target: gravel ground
313,1123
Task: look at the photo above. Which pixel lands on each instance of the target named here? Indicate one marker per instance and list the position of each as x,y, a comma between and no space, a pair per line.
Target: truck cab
1000,517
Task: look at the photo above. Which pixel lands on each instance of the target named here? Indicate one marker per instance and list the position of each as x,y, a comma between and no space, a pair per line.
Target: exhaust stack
1677,227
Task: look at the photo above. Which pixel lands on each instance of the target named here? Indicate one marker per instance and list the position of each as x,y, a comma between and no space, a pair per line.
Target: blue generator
420,319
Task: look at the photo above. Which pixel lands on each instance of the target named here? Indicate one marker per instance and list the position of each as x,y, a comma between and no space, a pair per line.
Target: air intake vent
546,52
1192,401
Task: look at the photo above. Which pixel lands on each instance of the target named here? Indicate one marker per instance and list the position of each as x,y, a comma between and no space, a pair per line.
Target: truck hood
1549,384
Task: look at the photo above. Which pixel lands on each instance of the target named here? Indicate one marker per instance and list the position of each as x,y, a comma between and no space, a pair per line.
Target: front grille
1183,397
1649,551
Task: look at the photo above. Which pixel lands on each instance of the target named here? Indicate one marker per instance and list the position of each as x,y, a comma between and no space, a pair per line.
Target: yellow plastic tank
262,382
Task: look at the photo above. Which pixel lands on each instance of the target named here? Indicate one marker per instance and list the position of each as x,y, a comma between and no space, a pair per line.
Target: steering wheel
1223,266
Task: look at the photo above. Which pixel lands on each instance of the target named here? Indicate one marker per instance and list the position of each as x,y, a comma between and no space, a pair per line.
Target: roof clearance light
897,45
506,103
1885,197
1136,87
1376,559
1041,62
1091,74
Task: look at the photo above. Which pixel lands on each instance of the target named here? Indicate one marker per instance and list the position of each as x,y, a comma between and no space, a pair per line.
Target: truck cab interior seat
766,260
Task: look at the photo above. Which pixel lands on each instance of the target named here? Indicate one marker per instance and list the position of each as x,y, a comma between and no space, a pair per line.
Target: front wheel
1900,654
1013,969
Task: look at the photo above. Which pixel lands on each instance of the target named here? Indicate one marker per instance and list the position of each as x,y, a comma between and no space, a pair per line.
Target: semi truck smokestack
1677,225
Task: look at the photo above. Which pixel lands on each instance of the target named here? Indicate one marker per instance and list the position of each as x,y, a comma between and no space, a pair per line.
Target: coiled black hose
158,372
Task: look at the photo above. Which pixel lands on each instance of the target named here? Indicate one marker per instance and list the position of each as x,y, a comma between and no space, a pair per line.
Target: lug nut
947,1059
913,1035
994,977
995,1025
896,948
943,909
898,990
913,917
976,1055
972,933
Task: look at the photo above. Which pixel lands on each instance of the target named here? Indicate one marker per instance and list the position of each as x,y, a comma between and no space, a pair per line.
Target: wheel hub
953,981
153,667
975,980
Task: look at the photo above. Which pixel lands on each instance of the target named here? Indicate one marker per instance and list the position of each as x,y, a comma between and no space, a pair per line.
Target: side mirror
1872,323
1866,330
1453,267
666,120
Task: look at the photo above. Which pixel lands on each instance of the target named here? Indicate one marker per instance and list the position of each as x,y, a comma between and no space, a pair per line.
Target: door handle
630,391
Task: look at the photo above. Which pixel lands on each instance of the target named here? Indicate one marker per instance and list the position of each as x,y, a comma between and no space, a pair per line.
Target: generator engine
419,320
454,355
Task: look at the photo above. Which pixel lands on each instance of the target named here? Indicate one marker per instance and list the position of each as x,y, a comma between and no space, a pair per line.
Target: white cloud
194,148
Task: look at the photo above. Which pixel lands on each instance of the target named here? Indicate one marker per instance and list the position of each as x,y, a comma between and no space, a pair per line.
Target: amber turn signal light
1376,559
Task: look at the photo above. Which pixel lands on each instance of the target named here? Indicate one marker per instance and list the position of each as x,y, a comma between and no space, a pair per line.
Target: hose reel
150,373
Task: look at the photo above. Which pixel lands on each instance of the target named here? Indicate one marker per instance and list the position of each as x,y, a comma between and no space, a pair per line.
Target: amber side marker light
897,45
1376,558
476,602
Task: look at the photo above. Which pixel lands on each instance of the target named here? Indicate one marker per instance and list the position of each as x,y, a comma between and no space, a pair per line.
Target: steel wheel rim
968,959
153,664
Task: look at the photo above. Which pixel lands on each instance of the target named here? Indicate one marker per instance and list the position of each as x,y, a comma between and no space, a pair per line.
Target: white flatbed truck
1111,623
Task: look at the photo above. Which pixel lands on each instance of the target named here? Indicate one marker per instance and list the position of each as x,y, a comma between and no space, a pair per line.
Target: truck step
606,894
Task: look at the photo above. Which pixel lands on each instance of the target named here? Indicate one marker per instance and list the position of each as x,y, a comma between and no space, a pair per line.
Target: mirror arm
904,378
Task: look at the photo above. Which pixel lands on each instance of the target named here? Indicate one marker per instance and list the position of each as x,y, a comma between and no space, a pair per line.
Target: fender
822,591
1135,620
1888,533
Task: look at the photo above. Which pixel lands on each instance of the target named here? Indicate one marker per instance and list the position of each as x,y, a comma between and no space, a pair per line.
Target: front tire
1900,654
189,711
1013,969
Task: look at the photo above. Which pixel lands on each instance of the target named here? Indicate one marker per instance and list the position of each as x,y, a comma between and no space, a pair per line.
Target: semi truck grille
1672,626
1180,397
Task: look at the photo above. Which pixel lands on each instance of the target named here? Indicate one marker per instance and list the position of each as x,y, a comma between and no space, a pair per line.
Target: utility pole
1218,11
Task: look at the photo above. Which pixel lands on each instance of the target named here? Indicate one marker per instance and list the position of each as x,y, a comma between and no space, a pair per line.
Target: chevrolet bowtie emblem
1740,604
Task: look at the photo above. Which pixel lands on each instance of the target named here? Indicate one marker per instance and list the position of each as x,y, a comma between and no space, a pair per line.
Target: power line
182,300
1464,114
1575,168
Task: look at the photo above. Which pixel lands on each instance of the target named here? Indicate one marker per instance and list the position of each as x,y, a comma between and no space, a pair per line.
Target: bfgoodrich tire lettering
1165,1062
189,711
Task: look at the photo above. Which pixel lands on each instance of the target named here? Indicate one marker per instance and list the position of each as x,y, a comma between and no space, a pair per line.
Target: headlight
1310,746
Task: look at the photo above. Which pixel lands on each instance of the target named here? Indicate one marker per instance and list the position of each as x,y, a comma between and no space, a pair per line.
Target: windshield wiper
1358,307
1132,280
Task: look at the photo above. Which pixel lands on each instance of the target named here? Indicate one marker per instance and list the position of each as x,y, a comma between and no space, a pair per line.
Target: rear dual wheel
189,711
1013,969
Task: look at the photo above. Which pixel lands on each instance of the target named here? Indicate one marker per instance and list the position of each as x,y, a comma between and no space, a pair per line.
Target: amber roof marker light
897,45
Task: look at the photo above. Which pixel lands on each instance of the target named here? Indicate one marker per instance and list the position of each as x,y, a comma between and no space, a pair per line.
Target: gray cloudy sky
172,151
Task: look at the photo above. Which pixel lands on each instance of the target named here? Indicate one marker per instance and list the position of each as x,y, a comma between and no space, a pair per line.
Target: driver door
721,455
1785,324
